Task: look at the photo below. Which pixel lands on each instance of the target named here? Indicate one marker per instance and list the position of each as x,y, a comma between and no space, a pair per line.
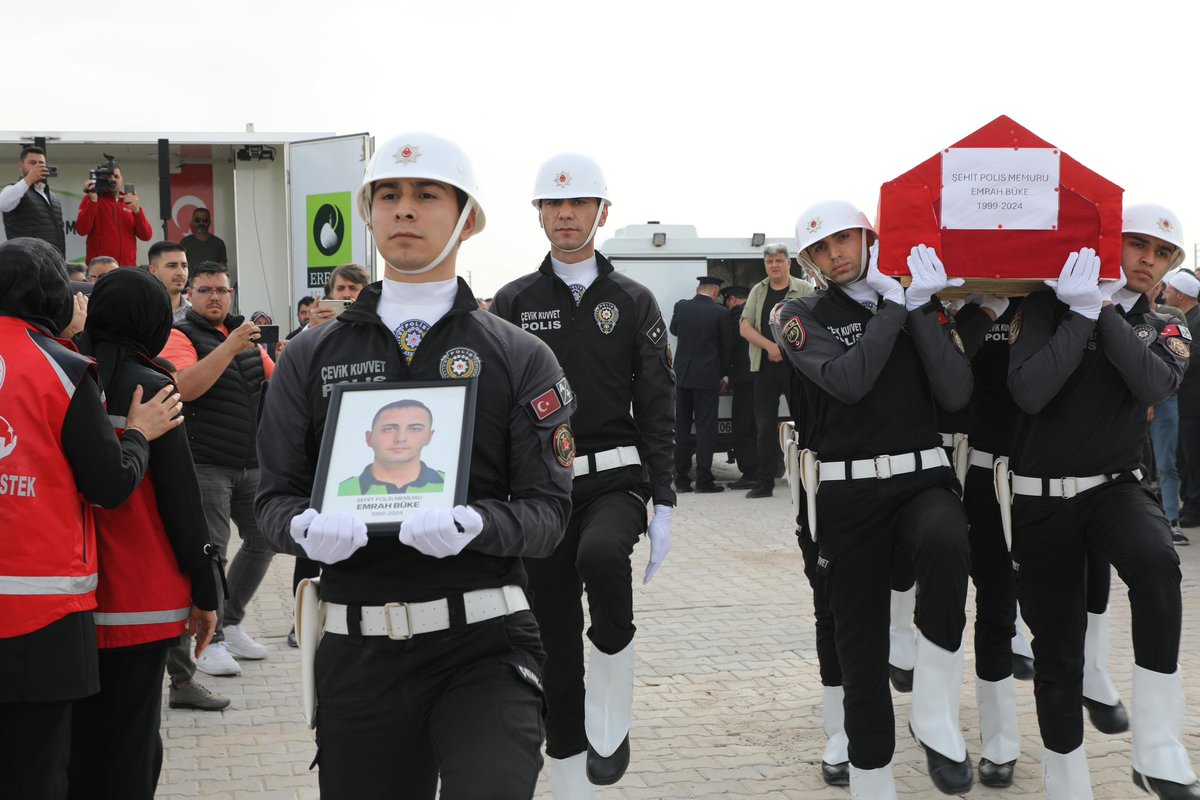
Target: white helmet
418,154
1158,221
824,219
567,176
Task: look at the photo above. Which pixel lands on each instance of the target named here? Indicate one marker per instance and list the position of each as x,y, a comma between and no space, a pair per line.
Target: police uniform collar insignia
460,363
408,335
606,315
1146,334
577,291
408,154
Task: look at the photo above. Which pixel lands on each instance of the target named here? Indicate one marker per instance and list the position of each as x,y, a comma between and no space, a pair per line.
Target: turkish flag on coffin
1088,214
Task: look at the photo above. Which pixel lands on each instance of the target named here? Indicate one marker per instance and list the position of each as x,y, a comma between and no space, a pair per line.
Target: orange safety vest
47,535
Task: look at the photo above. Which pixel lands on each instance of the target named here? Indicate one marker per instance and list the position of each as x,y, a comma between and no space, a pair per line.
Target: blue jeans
1164,434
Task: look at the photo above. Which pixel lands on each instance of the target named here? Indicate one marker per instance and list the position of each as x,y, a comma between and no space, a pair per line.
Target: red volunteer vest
142,597
47,536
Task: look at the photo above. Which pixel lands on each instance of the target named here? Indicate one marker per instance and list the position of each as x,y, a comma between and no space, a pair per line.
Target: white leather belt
979,458
947,439
406,620
883,467
1066,488
624,456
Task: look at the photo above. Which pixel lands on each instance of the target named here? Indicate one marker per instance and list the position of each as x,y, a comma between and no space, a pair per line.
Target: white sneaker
238,642
215,660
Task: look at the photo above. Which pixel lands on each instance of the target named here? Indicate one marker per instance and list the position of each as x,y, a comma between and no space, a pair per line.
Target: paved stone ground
727,701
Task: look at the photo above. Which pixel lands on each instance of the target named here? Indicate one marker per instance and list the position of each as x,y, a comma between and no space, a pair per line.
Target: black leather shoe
743,483
997,776
760,491
950,777
836,774
1107,719
1165,789
602,771
901,679
1022,667
683,488
709,488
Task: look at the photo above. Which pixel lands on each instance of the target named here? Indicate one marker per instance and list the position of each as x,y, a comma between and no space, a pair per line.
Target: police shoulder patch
1178,346
460,363
1145,333
564,445
655,331
1014,327
794,334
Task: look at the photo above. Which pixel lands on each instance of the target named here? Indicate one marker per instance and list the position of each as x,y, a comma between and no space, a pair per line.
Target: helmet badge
563,179
814,224
408,154
1165,225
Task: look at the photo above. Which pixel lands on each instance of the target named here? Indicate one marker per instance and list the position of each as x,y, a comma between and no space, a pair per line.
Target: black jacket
613,348
1189,387
35,218
1084,386
520,477
222,422
702,328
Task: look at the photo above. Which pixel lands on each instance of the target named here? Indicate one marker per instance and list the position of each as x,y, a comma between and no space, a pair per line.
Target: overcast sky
729,116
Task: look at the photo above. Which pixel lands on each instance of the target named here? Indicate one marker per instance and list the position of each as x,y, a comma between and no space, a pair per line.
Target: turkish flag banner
1003,208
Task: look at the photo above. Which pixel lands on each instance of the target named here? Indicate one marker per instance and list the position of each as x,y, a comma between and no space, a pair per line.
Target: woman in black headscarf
156,564
58,456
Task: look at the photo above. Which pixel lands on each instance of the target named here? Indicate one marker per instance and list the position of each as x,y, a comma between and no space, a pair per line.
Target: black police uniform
701,328
463,704
613,347
1083,387
875,381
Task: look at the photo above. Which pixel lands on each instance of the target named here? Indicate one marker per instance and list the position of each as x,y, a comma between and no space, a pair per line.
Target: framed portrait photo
392,448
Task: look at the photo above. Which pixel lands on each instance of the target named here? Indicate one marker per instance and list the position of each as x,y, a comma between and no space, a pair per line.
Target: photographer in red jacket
111,218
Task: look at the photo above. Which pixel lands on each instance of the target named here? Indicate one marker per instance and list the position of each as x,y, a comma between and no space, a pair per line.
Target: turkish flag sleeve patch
545,403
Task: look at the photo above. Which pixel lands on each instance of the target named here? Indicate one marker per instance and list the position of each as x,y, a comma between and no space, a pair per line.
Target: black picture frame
353,410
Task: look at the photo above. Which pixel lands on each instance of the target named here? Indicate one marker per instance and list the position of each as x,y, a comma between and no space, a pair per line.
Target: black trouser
827,658
593,555
463,706
994,577
745,439
116,748
1123,524
1189,468
771,382
35,744
304,568
702,405
864,528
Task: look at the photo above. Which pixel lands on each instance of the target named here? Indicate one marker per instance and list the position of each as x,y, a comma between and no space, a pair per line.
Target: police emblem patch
408,335
577,290
1145,333
1179,347
1014,328
794,334
460,362
958,342
606,315
564,445
562,180
408,154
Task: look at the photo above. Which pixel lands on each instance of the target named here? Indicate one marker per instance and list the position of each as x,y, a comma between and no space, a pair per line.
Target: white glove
328,538
1077,285
888,287
997,305
1109,289
433,531
928,277
659,532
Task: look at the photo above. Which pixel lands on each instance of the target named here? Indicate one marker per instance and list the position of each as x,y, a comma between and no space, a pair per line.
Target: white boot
937,684
902,641
1020,645
997,701
1158,707
568,779
833,719
1066,777
872,784
607,712
1096,645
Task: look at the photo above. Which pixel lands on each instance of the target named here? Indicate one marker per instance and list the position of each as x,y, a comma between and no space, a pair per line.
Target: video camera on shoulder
105,183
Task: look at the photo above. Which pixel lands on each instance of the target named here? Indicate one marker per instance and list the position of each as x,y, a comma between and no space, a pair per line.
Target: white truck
667,259
280,201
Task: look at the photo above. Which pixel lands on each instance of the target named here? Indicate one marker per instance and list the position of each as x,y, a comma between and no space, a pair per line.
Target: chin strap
591,234
453,240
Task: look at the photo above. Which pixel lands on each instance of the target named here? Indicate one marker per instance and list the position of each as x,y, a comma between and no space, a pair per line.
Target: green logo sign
329,217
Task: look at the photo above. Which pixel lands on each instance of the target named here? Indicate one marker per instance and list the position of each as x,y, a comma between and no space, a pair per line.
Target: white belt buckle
886,462
1064,483
387,616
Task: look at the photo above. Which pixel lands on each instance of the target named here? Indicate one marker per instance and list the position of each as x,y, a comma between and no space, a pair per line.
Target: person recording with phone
345,283
111,216
35,214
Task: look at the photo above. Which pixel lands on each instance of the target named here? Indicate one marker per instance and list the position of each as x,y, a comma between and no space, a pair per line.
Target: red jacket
47,537
110,227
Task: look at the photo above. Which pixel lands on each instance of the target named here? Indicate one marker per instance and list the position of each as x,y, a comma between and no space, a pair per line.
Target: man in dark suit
741,387
702,327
